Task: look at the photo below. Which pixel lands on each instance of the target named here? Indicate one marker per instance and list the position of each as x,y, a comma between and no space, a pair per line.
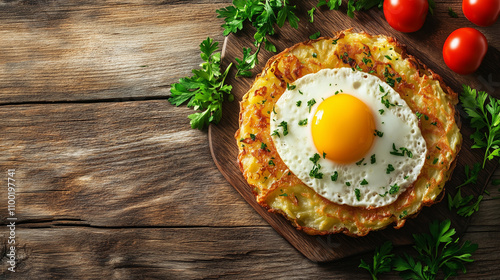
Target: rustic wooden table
111,181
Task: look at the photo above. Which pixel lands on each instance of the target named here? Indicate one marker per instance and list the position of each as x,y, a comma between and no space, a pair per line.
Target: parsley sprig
484,114
382,260
263,15
352,5
205,90
437,251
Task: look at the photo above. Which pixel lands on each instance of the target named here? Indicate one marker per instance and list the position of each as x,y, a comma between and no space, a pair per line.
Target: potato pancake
279,190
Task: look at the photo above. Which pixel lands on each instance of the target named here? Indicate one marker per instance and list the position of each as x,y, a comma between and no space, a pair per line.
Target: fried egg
349,136
276,183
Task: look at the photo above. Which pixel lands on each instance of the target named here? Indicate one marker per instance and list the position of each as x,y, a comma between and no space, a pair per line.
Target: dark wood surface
112,182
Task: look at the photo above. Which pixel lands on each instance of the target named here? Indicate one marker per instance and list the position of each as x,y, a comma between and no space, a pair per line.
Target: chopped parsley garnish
419,115
364,182
299,103
435,161
388,57
401,152
300,92
314,173
275,132
434,123
360,162
359,68
335,176
271,162
381,88
314,55
284,125
252,136
404,214
348,184
381,111
303,122
334,42
378,133
324,155
310,103
390,168
290,87
311,14
394,189
366,60
390,81
386,102
357,192
283,194
263,146
373,159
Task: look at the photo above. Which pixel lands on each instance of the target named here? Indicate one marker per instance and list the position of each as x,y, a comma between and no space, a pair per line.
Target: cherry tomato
464,50
481,12
406,15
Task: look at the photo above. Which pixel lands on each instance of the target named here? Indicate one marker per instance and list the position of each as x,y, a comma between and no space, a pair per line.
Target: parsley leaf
314,173
247,63
436,250
315,36
382,260
311,14
452,13
205,90
471,174
485,118
463,204
368,4
332,4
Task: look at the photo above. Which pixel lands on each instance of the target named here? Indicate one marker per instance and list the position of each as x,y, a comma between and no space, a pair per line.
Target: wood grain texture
105,163
92,50
127,190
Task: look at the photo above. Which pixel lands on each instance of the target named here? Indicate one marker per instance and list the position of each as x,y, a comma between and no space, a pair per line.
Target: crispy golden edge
263,155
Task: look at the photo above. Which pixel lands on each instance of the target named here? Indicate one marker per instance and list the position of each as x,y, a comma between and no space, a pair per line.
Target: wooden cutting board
425,44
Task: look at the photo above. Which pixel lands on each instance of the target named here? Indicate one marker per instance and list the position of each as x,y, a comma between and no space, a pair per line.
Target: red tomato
406,15
464,50
481,12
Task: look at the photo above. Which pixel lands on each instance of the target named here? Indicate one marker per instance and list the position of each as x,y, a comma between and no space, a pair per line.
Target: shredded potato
279,190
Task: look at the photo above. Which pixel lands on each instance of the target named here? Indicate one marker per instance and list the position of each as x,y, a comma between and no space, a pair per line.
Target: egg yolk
343,127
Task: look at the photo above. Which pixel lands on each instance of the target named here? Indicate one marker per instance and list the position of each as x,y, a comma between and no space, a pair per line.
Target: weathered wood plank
115,164
72,252
74,50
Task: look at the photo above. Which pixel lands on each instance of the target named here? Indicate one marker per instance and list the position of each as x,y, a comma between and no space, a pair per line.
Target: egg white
361,183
